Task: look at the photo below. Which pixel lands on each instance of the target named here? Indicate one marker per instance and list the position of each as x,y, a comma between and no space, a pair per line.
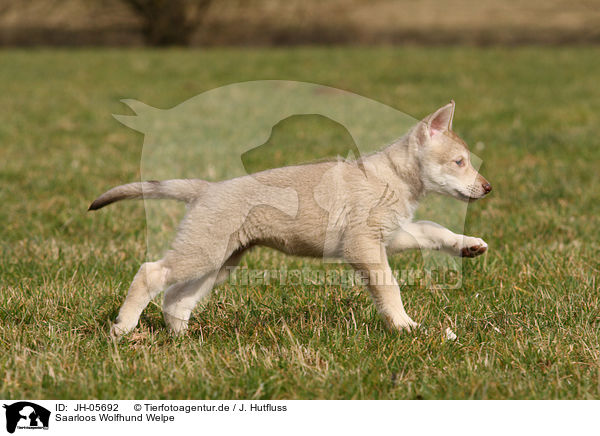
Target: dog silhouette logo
26,415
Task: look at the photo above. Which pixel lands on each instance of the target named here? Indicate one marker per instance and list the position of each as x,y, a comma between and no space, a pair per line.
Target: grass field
527,315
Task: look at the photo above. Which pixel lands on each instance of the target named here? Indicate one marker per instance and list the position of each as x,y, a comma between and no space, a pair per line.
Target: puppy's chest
389,210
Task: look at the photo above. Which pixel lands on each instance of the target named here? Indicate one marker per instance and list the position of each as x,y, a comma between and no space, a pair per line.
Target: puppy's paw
118,329
175,324
472,247
409,327
402,323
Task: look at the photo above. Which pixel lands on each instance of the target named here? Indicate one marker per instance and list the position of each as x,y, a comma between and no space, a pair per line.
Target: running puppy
359,211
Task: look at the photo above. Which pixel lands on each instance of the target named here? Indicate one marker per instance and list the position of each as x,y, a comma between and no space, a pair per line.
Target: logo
26,415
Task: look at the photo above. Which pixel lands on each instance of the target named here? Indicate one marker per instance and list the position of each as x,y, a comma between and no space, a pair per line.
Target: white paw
471,247
120,328
175,324
404,323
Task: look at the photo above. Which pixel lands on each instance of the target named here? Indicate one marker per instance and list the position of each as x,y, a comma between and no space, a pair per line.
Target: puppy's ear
441,120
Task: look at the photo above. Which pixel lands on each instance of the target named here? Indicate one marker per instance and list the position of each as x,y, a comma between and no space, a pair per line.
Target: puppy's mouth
464,197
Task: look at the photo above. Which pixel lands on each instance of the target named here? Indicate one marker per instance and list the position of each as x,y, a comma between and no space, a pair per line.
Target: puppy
359,211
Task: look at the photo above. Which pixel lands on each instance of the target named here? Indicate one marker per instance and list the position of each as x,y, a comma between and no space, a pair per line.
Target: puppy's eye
460,162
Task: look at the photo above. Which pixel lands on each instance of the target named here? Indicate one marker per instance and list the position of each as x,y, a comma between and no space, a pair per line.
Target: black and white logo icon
26,415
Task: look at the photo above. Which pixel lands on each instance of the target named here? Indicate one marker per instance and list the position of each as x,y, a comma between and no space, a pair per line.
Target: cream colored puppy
359,211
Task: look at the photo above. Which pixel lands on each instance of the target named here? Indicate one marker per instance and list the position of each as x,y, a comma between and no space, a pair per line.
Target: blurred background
277,22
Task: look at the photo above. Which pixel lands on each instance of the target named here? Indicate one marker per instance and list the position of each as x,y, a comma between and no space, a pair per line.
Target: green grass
527,315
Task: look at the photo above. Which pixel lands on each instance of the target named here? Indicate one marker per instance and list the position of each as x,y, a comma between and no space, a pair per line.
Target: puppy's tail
186,190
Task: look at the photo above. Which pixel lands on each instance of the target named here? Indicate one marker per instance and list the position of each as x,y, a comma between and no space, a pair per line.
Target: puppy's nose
487,188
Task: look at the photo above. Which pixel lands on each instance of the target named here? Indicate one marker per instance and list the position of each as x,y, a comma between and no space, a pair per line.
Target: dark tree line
169,22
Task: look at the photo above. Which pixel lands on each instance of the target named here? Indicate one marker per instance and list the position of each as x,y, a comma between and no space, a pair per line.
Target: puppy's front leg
431,236
369,259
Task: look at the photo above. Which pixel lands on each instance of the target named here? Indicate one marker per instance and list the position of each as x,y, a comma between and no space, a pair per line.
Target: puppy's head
445,160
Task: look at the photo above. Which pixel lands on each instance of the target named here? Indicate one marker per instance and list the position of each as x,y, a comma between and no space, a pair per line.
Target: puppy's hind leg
180,299
147,283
